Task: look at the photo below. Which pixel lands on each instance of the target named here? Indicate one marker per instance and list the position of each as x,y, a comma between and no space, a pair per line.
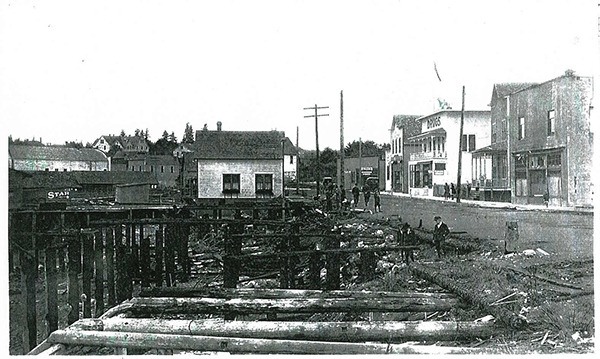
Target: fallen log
172,305
543,279
132,340
504,315
323,251
281,293
390,331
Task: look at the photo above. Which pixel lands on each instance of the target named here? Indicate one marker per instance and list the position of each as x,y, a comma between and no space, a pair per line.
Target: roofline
548,81
453,111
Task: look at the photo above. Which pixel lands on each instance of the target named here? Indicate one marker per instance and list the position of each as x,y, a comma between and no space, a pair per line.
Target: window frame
551,122
265,182
229,182
521,128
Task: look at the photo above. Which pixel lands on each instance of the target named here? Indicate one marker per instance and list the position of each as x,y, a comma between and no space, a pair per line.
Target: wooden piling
158,270
110,266
144,258
135,252
333,264
74,253
29,267
99,272
51,288
88,268
315,270
169,256
123,280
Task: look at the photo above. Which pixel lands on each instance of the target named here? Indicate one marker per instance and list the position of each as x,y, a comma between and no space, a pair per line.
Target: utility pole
360,162
283,178
316,116
462,122
341,180
297,160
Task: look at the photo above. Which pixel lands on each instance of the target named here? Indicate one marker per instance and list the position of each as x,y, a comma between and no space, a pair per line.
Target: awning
436,132
494,148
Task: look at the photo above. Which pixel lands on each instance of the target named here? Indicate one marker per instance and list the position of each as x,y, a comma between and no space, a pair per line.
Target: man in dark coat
355,194
440,232
406,237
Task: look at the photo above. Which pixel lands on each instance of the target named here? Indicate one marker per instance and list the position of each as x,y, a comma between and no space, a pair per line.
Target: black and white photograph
299,177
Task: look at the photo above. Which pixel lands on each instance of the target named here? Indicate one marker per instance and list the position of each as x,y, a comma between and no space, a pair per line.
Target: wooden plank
287,305
135,252
236,345
325,251
88,272
389,331
99,272
110,267
158,270
144,258
250,293
183,252
51,290
74,253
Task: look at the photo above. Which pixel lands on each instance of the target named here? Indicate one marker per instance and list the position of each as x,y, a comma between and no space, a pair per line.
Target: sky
75,70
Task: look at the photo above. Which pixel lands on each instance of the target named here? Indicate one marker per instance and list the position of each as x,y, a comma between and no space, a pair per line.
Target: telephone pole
297,160
316,116
460,143
341,180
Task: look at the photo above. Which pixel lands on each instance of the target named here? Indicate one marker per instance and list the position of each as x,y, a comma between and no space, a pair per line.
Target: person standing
367,194
377,199
440,232
446,191
355,194
406,237
452,190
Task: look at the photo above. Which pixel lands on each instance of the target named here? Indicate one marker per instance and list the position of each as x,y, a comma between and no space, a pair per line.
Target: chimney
219,124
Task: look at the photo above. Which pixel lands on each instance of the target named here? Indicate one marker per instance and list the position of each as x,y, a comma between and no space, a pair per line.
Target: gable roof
506,88
238,144
23,152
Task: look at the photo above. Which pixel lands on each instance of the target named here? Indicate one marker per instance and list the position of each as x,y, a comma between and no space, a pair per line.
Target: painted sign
64,194
433,122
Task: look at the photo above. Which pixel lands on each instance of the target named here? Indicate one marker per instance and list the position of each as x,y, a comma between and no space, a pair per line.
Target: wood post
135,252
315,268
74,253
88,268
123,279
333,264
30,275
169,255
158,270
368,263
144,258
110,266
51,288
99,272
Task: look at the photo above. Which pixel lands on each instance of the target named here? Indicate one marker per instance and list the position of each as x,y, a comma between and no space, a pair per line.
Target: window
471,143
162,169
172,169
554,160
152,168
521,128
264,183
551,122
440,167
463,143
231,183
291,160
388,172
140,168
507,106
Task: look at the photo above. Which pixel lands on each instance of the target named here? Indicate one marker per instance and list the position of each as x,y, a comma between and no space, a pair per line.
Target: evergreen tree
122,133
188,134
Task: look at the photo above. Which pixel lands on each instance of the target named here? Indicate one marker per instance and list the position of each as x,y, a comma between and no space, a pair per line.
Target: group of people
450,191
366,191
406,237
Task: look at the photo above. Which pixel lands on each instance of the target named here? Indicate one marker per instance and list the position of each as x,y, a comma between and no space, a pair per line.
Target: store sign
366,170
58,194
433,122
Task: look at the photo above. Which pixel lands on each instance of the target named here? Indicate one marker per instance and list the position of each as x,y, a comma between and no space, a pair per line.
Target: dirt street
558,232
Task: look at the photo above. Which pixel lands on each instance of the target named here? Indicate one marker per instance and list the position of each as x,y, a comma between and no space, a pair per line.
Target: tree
122,133
164,145
368,149
172,138
188,134
137,132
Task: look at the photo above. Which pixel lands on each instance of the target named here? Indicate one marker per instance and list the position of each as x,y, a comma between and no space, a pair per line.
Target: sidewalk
488,204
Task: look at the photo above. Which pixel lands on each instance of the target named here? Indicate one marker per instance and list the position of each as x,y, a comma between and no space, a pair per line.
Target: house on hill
238,164
55,158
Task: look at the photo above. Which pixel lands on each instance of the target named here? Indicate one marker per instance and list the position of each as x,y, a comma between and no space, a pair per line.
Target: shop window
440,167
231,183
554,160
520,184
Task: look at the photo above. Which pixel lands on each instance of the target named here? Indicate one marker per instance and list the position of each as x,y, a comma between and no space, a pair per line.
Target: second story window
551,122
521,128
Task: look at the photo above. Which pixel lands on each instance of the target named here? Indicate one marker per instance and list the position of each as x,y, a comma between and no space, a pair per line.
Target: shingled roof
46,179
23,152
238,144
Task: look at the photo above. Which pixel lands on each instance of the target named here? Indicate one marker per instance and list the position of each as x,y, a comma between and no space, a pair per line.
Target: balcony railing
420,156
